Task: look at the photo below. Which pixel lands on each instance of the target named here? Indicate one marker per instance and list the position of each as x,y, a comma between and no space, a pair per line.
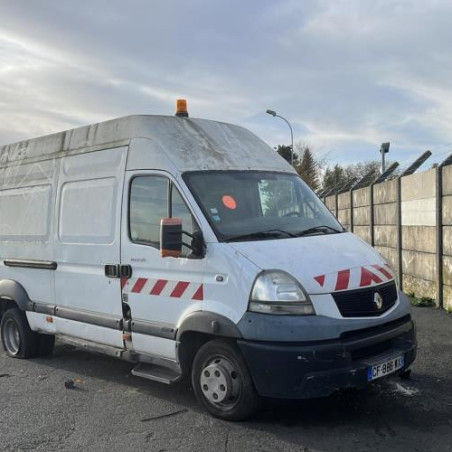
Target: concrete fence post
336,203
439,235
351,210
399,232
372,215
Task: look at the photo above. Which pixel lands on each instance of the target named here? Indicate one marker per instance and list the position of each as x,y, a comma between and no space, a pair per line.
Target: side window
149,203
88,211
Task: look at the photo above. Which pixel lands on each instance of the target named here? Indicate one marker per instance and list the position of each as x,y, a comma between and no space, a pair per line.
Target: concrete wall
385,221
361,213
343,209
330,202
419,233
407,241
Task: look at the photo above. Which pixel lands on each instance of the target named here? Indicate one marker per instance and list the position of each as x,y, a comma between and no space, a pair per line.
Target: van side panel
87,237
27,199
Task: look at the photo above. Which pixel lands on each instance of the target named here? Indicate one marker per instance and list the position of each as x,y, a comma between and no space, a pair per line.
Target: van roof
191,144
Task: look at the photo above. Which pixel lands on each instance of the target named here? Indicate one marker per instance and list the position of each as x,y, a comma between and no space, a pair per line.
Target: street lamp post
273,113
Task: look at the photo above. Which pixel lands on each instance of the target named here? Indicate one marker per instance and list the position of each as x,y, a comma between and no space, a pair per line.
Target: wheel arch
198,328
12,294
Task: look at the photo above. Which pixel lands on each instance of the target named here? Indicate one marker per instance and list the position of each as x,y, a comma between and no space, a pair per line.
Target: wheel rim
11,337
220,382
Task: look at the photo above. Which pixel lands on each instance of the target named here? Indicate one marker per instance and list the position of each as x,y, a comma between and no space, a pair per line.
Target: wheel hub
11,337
219,381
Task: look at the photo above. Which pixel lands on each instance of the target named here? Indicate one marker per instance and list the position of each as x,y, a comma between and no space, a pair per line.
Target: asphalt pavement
110,410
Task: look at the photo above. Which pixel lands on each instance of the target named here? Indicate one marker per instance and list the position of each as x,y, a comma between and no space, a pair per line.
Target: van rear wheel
222,383
18,340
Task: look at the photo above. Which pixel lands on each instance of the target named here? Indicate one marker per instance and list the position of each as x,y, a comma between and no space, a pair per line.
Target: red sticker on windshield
229,202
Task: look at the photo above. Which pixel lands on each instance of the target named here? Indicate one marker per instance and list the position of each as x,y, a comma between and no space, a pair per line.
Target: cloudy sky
347,74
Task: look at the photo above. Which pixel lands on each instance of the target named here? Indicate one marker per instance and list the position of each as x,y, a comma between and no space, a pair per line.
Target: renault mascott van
192,249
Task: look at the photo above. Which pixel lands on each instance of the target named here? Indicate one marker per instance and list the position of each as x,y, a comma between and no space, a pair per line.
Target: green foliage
422,302
286,153
341,175
304,162
308,169
333,177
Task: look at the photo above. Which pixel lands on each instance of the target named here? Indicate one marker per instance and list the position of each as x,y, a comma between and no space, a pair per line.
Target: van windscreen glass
256,205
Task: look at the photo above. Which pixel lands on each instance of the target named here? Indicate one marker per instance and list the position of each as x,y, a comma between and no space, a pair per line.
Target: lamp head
384,148
271,112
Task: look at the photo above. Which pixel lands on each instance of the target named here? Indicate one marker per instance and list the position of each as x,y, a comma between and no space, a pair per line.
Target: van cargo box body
190,247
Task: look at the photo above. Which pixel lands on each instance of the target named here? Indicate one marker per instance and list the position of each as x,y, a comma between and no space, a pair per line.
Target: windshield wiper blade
322,228
261,235
280,231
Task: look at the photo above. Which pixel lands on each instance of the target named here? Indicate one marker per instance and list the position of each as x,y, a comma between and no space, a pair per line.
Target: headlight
276,292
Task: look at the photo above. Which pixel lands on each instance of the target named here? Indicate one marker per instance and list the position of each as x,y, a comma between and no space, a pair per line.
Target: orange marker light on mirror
170,237
181,108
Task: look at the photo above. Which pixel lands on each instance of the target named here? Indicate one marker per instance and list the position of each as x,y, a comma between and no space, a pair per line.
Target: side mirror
170,237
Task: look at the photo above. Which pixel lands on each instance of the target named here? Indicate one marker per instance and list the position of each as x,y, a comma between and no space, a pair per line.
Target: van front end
299,357
319,309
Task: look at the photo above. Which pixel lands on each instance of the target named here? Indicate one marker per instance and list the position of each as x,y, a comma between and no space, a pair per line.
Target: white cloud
347,74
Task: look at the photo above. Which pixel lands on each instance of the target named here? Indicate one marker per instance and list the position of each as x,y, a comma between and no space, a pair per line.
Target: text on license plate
385,368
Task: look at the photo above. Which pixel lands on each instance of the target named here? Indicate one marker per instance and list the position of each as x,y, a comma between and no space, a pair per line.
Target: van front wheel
222,383
18,340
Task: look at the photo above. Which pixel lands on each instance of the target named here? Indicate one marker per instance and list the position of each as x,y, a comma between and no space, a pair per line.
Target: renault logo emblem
378,300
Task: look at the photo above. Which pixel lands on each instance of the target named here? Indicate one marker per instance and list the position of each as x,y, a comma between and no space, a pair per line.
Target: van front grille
363,302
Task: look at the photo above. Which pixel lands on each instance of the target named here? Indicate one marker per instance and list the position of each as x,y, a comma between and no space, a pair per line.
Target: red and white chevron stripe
354,278
164,288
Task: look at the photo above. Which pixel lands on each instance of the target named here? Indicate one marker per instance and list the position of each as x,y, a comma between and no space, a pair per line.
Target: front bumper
315,369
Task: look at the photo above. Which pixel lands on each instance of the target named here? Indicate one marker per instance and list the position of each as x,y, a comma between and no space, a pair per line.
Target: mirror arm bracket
197,250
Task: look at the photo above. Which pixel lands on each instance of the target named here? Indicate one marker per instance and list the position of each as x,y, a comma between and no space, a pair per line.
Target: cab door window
151,199
148,205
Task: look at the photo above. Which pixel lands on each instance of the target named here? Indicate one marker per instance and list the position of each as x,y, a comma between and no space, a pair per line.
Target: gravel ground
109,409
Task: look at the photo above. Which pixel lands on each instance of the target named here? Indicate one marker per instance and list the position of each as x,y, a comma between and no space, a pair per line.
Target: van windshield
257,205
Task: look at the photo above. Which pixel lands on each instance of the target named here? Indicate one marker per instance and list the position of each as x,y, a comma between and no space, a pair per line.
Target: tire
222,382
46,344
18,340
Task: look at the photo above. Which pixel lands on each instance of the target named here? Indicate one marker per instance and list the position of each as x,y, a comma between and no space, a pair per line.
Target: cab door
158,292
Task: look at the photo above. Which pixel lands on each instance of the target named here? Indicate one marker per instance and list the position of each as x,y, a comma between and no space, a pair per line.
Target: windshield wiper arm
261,235
322,228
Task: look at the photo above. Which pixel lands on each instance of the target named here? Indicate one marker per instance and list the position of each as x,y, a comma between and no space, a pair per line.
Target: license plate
384,368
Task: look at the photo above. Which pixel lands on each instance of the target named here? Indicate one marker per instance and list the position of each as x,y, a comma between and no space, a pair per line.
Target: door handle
118,271
112,271
126,271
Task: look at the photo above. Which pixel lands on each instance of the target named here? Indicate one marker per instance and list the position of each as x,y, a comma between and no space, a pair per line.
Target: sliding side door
87,239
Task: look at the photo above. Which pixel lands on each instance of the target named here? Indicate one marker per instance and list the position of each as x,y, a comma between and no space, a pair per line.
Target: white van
191,248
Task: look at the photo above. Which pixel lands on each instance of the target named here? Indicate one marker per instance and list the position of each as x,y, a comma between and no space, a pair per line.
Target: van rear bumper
317,369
